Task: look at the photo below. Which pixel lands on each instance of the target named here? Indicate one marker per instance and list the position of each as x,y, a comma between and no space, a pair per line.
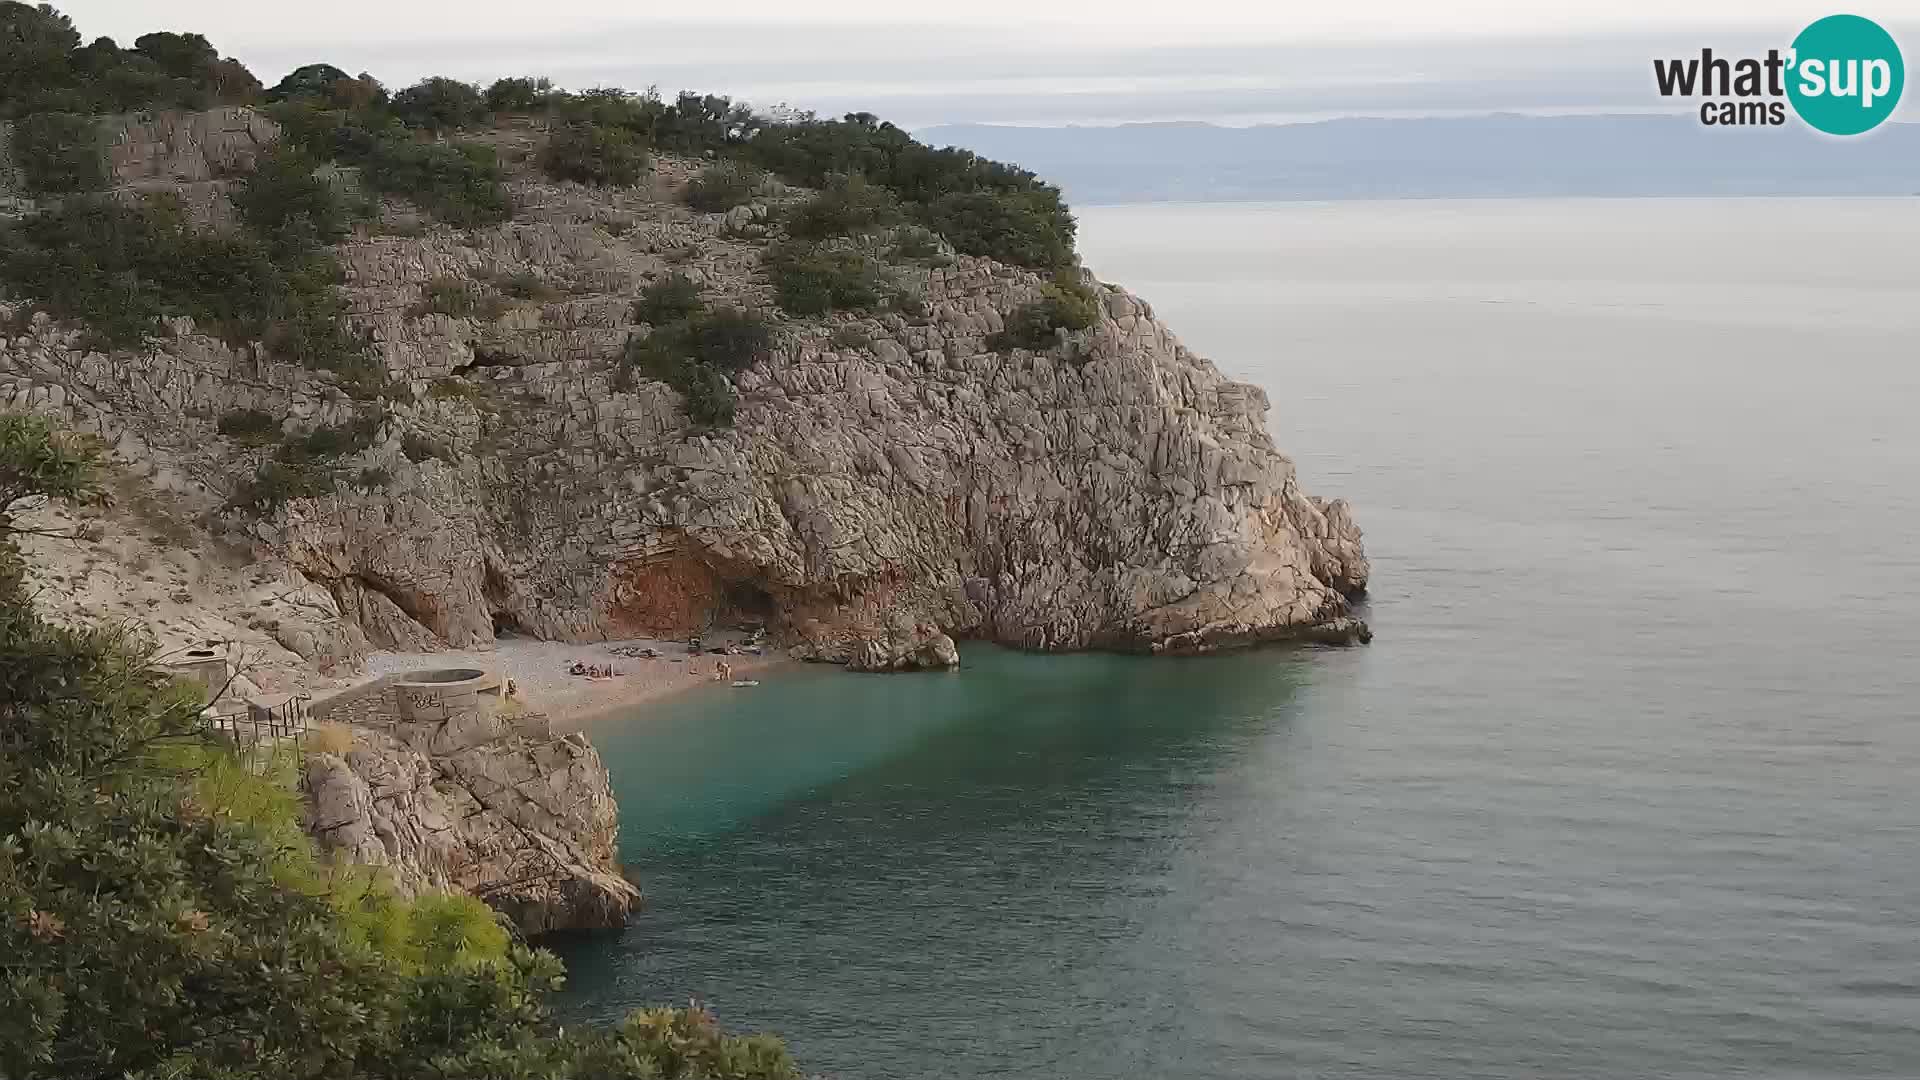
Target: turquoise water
1624,786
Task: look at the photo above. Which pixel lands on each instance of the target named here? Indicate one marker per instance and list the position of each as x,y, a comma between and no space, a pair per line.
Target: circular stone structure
446,693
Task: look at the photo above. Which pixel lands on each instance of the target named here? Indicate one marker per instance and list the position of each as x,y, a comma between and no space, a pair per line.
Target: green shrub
45,68
708,395
706,392
522,285
318,81
727,338
1030,228
59,153
333,441
812,279
1065,304
518,95
667,300
847,207
916,243
695,355
460,185
121,267
274,483
440,104
983,207
722,187
457,183
250,427
591,154
286,203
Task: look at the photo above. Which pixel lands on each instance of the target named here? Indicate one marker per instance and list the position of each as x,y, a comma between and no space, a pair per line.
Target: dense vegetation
45,68
123,267
59,153
163,915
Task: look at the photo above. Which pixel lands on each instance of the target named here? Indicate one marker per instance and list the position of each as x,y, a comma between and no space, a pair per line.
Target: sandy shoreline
540,671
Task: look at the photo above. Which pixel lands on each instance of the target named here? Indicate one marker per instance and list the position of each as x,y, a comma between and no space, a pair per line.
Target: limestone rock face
1113,491
904,648
524,822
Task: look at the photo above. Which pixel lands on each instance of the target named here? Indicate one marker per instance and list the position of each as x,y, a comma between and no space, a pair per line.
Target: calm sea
1627,785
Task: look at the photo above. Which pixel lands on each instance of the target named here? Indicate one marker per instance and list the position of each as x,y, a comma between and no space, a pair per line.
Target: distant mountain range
1497,156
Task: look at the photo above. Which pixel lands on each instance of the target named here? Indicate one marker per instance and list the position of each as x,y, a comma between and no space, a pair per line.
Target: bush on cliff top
163,914
591,154
849,205
983,207
440,104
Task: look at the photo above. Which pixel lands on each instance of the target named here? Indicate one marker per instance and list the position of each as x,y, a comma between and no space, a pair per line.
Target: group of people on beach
722,671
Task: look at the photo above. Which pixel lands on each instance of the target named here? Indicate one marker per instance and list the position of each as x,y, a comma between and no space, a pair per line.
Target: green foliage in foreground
162,914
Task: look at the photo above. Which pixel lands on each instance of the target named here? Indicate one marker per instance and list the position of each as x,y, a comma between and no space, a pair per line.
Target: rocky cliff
888,479
504,811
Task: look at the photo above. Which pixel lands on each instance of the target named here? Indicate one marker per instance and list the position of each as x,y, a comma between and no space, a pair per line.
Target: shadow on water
839,846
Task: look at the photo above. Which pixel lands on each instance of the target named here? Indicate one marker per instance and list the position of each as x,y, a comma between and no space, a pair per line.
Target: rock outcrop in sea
476,801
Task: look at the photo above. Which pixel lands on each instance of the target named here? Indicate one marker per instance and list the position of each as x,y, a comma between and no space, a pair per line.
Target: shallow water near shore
1624,787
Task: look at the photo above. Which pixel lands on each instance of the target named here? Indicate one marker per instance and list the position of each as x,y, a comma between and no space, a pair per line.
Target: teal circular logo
1846,75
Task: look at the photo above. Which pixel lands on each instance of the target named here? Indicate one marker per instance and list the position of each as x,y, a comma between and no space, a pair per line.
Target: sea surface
1628,784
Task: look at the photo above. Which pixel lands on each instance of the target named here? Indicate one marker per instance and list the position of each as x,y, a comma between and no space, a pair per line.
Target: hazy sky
1020,61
